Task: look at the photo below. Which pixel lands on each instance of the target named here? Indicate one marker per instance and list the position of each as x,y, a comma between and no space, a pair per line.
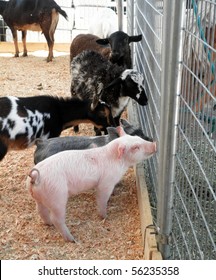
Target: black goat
116,47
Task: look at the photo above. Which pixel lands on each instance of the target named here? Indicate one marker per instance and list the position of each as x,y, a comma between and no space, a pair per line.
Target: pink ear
121,150
120,131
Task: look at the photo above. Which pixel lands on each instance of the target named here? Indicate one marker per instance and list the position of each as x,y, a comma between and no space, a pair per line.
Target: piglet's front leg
102,196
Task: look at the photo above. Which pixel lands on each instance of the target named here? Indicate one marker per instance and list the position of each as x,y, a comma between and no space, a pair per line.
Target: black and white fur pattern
22,120
96,78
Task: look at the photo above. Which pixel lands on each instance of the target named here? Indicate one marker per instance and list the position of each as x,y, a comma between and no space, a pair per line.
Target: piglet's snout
155,147
150,147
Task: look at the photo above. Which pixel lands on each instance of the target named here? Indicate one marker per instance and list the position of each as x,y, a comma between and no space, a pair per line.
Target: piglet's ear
121,150
120,131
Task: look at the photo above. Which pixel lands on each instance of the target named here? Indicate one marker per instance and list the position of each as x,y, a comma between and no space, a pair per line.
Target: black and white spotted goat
22,120
96,78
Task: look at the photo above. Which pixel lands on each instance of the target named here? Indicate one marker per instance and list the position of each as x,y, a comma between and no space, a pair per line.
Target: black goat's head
100,114
120,50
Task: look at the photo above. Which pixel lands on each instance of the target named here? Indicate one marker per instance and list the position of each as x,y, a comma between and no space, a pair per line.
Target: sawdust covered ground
22,233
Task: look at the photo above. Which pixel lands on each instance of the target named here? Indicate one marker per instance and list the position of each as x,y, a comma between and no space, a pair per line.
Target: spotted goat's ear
95,101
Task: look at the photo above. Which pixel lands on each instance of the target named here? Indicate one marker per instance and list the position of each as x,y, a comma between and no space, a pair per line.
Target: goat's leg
76,128
3,150
24,33
14,34
48,26
117,120
97,131
50,44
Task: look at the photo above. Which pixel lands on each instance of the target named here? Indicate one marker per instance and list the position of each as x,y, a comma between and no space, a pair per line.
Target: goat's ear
94,102
114,82
135,38
120,131
103,42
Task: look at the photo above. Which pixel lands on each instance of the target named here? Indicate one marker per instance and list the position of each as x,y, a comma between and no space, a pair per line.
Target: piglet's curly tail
34,174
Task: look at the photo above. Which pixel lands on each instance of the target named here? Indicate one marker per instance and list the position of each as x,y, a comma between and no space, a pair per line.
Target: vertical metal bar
120,14
174,10
132,29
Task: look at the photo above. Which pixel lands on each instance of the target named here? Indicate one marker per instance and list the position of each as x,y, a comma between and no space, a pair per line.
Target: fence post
173,12
120,10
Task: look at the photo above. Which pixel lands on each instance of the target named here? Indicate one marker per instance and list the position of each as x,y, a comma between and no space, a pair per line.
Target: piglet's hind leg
58,219
44,213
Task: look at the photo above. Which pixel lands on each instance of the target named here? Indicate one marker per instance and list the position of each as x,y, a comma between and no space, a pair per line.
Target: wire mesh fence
195,184
2,30
193,200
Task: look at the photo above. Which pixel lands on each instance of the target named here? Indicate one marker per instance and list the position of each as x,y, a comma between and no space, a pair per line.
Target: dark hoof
76,129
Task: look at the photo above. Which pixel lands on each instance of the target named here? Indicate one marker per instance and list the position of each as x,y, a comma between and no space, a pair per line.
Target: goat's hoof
76,129
49,58
25,54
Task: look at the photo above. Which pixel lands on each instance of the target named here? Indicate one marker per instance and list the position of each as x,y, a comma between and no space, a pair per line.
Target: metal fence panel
147,20
193,231
195,183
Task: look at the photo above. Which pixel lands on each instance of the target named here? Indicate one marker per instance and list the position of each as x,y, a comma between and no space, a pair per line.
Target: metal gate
177,55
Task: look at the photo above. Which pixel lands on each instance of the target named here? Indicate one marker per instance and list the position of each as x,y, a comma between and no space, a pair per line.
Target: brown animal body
35,15
84,42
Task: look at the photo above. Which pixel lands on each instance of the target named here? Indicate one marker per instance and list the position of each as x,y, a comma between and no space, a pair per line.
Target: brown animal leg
24,33
50,44
48,26
14,33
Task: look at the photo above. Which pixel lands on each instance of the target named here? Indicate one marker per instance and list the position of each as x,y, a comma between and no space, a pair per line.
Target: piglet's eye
136,148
